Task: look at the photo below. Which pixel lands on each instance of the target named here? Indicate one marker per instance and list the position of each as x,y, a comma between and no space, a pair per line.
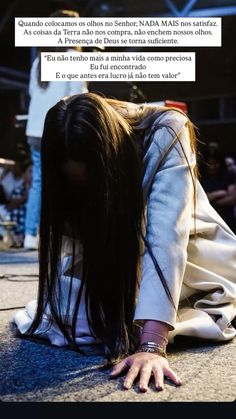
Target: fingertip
171,376
143,389
113,373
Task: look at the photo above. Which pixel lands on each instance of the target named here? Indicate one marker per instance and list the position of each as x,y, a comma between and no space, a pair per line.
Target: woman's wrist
155,331
153,348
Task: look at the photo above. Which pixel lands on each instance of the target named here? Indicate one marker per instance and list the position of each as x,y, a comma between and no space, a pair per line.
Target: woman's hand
144,364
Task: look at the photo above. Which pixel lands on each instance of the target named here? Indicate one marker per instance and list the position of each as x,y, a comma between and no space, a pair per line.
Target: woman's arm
169,213
169,218
155,331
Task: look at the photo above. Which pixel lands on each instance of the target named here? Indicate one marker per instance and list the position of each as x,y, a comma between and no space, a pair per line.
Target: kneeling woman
131,252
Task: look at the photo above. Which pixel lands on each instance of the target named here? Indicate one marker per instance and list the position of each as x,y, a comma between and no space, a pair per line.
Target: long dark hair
108,217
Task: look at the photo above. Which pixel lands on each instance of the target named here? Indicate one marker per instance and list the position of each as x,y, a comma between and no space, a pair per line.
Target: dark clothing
3,199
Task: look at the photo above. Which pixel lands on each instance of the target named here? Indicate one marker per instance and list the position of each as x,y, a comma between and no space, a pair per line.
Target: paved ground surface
32,371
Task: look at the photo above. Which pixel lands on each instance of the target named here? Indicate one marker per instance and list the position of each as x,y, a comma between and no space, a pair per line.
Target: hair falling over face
106,213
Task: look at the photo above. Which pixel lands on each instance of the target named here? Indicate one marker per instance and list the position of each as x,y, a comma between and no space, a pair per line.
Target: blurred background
210,101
